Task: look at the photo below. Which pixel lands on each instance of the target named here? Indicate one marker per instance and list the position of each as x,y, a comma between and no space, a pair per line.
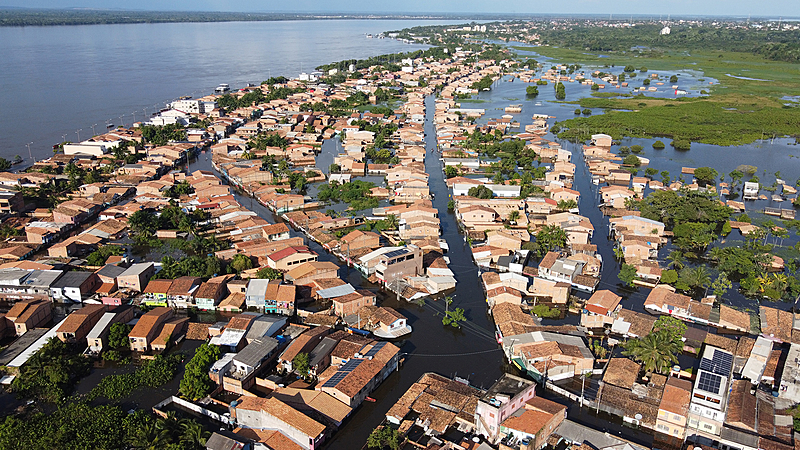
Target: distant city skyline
621,8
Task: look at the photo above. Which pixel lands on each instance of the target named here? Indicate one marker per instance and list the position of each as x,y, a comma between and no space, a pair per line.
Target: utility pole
93,132
29,151
79,134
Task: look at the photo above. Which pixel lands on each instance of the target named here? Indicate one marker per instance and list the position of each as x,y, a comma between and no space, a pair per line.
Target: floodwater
69,82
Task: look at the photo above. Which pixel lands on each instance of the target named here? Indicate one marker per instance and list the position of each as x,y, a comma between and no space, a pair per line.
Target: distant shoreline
60,17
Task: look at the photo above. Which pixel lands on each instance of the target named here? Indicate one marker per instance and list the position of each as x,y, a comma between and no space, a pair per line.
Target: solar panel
335,379
720,363
394,253
709,382
349,366
375,349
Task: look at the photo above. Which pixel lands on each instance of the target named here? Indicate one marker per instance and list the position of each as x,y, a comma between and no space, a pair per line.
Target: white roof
229,337
101,325
337,291
257,286
376,253
433,271
28,352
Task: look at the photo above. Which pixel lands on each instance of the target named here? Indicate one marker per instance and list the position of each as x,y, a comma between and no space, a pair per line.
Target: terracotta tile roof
503,290
741,410
744,347
158,287
548,260
733,316
149,320
283,412
776,323
286,293
621,372
241,321
677,396
181,286
530,422
208,290
605,300
197,331
722,342
235,300
641,324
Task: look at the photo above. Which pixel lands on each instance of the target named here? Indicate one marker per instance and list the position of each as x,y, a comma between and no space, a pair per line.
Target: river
61,79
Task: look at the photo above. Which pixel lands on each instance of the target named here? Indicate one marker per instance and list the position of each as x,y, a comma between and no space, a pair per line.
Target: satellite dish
638,416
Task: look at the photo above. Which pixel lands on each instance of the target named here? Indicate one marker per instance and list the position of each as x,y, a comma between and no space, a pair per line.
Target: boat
370,399
222,88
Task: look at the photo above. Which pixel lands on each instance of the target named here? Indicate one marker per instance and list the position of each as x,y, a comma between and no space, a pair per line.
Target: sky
765,8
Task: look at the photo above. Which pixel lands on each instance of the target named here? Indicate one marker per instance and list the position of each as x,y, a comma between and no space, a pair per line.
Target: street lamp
122,121
93,132
64,137
79,134
29,151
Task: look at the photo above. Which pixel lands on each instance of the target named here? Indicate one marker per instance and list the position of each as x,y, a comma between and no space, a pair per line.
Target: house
98,336
352,302
219,442
136,276
503,294
283,301
181,292
637,225
503,239
247,362
314,402
535,422
148,328
273,414
156,292
673,411
74,286
476,216
303,343
29,314
305,273
290,257
387,323
171,333
398,264
79,323
208,295
357,240
505,397
709,396
359,376
436,404
598,309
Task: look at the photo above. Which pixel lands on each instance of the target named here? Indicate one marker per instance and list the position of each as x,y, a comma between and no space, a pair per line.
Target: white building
709,396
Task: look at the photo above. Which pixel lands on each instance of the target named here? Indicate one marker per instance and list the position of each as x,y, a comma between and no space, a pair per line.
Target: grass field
783,78
737,111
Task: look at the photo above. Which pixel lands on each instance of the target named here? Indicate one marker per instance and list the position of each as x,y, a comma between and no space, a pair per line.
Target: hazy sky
776,8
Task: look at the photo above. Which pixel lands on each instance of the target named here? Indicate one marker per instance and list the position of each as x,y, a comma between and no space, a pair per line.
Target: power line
454,354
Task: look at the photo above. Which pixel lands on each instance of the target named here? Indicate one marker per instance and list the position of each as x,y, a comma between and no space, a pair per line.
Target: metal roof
71,279
336,291
256,351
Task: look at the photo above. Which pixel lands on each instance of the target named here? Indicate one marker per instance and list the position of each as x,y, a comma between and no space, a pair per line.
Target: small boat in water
222,88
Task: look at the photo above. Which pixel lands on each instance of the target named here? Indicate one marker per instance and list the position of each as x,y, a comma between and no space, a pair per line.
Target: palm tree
148,436
513,216
676,260
656,352
392,222
699,277
716,253
769,226
193,436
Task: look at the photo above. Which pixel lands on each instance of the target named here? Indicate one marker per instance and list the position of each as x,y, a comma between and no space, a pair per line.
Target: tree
193,436
630,68
118,335
50,373
595,87
4,164
721,285
481,192
454,318
656,352
561,91
196,383
681,144
646,82
143,224
627,274
696,278
651,172
566,205
673,79
300,364
632,160
550,238
384,437
669,276
334,168
268,273
241,262
513,215
545,312
391,222
672,327
450,171
533,91
705,175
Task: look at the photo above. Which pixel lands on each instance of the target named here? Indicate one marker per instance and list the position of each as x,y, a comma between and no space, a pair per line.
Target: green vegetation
268,273
483,83
241,262
50,373
153,373
722,120
356,194
561,92
657,352
196,383
658,145
178,189
550,238
384,437
454,317
480,191
118,335
161,135
255,97
545,312
532,91
301,365
4,164
627,274
99,256
195,266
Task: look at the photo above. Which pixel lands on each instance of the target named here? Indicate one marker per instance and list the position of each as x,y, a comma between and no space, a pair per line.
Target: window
707,426
676,417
